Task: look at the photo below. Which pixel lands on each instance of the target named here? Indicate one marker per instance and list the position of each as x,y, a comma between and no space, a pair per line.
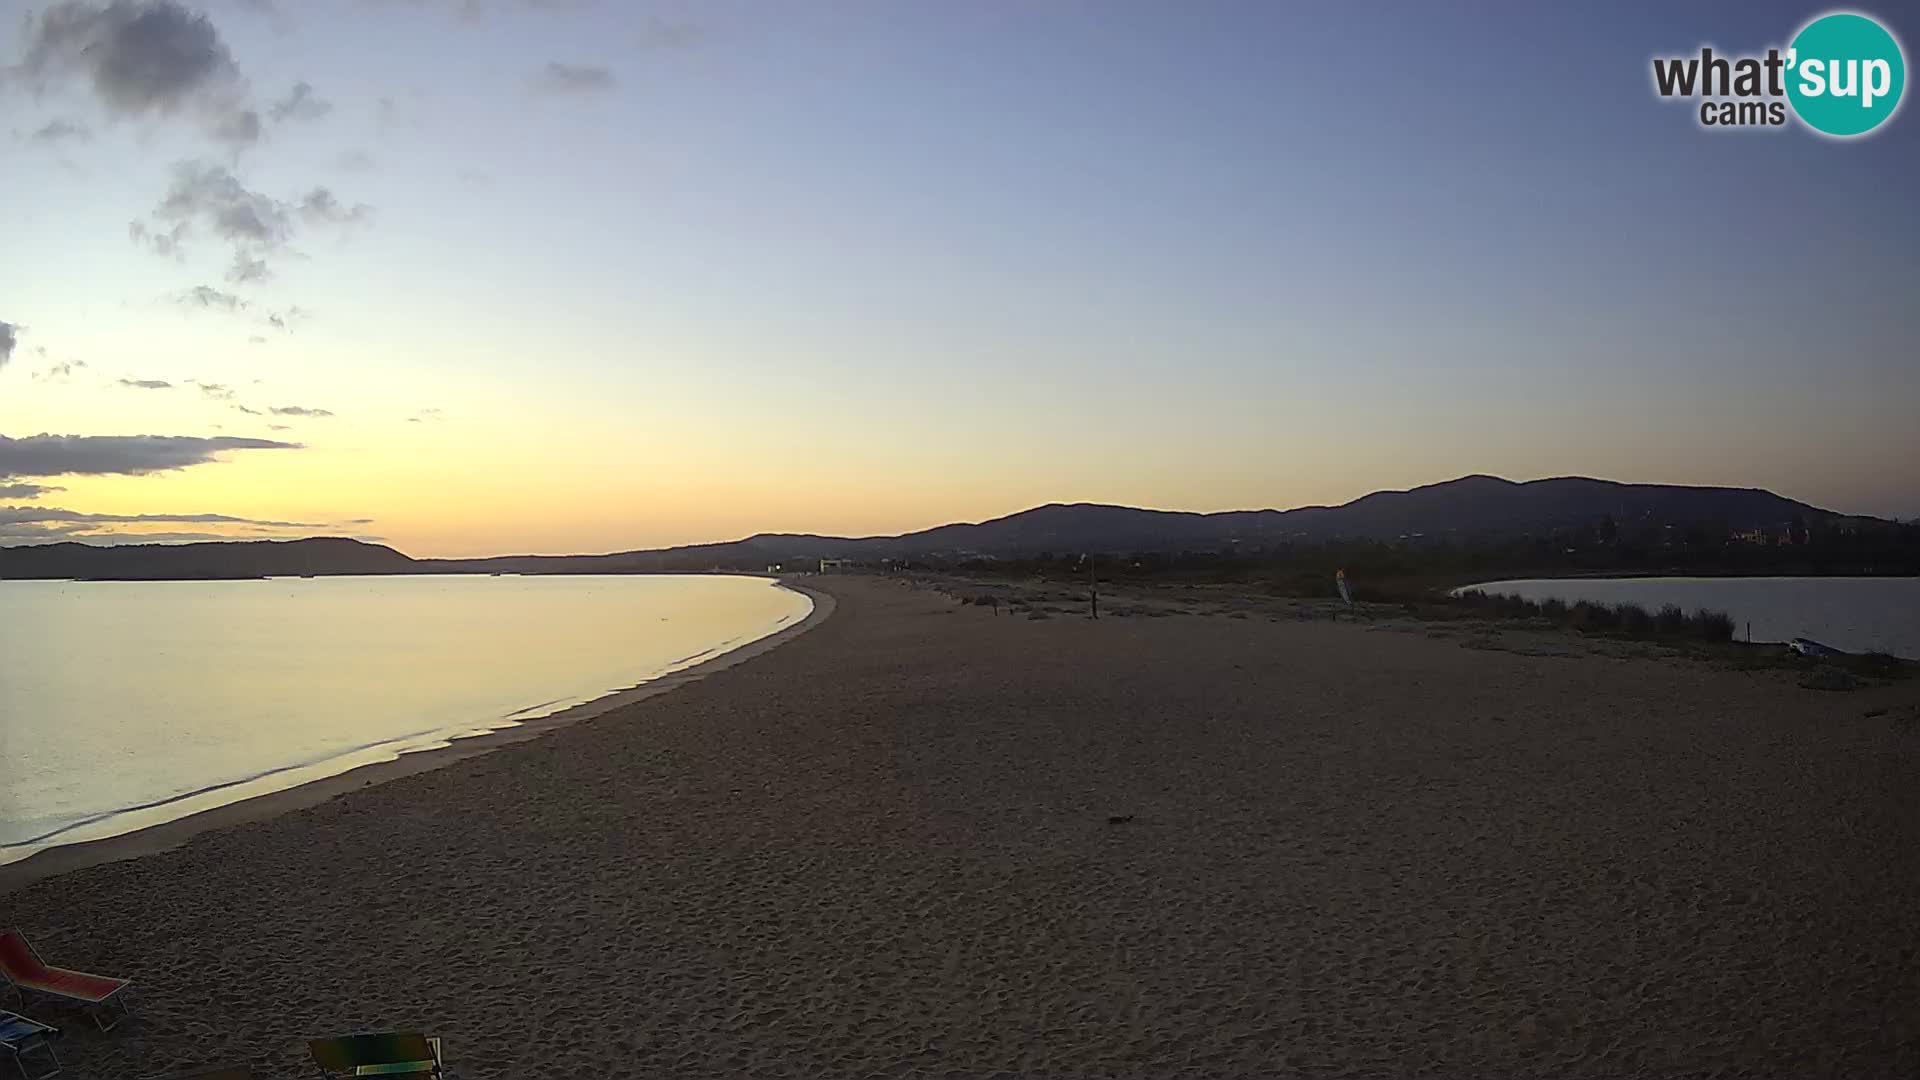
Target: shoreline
163,836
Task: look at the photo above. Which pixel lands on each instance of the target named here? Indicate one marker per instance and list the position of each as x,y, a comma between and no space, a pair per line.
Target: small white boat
1810,647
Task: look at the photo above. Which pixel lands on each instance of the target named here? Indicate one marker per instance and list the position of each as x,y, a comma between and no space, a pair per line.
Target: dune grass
1627,620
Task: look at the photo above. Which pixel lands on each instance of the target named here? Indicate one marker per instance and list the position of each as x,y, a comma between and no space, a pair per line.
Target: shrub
1629,619
1634,619
1671,620
1594,616
1713,625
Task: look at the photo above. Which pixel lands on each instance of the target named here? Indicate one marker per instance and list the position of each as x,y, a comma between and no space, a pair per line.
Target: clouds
21,515
224,394
143,57
285,320
248,270
240,127
559,78
59,533
52,523
476,11
107,455
299,104
9,340
26,491
59,372
118,455
660,34
138,57
205,197
321,208
206,296
58,130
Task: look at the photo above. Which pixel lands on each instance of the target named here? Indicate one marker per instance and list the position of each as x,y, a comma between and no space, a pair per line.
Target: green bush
1631,620
1635,620
1713,625
1671,621
1591,616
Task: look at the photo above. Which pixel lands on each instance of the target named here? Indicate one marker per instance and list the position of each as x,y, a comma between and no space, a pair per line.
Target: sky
487,276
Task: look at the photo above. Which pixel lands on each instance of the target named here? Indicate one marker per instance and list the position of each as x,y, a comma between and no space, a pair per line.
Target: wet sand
923,839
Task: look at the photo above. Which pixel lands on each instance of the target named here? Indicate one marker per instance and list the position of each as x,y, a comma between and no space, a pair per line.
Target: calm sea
1854,614
124,704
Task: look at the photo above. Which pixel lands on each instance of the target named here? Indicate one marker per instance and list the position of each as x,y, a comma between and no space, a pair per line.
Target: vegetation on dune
1421,567
1631,620
1419,576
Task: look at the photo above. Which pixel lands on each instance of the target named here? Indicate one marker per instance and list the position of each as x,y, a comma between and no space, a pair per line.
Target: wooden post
1093,589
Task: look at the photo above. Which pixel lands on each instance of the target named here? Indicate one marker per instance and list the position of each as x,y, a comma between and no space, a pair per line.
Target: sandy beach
926,839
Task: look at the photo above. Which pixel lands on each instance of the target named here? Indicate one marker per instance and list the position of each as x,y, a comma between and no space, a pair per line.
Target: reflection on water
1853,614
123,704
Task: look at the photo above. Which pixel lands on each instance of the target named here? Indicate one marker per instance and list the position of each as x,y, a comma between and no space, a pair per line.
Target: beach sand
922,839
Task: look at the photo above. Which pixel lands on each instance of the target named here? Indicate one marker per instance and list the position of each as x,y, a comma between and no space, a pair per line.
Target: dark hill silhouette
214,559
1472,507
1468,509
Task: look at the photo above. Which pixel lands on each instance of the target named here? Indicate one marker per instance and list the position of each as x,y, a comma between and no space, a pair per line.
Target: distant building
1784,534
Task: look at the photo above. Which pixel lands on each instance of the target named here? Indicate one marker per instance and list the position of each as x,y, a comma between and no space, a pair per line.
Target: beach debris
1119,819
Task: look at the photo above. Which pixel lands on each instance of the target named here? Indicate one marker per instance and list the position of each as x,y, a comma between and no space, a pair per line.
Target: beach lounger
26,1043
387,1053
102,997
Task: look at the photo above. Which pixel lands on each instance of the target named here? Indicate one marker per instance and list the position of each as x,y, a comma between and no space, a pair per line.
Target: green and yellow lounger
387,1053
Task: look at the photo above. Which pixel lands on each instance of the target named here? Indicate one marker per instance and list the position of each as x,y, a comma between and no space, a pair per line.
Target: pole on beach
1093,589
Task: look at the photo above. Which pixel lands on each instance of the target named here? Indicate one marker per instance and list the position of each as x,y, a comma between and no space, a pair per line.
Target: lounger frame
106,1013
37,1044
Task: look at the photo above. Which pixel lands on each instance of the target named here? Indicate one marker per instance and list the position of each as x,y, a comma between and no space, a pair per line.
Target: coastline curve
164,836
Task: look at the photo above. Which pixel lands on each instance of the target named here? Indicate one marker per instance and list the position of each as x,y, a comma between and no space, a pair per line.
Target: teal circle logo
1845,74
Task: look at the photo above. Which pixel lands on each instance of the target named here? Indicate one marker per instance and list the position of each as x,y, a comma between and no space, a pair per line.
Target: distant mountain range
1470,508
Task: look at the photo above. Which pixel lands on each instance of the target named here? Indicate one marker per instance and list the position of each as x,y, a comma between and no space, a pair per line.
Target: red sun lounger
102,997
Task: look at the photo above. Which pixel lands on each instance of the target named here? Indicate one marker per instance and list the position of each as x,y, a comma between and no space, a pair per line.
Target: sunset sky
557,275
